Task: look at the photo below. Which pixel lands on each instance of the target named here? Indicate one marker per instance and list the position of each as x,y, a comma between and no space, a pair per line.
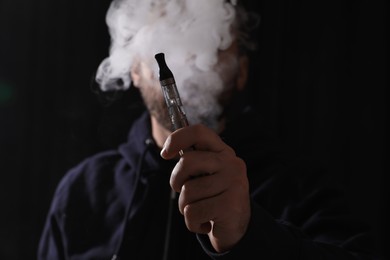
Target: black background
321,87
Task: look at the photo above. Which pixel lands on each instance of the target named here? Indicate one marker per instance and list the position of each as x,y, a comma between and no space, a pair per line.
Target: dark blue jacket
115,203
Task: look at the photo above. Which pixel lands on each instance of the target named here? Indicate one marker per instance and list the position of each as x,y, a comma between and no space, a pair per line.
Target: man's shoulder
93,166
91,178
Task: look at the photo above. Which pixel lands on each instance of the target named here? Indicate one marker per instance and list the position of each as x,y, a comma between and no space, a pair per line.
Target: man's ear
242,73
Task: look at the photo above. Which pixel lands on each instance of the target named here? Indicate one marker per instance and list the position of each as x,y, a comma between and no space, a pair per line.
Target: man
237,197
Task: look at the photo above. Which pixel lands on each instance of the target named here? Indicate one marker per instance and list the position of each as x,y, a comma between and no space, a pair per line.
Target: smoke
189,32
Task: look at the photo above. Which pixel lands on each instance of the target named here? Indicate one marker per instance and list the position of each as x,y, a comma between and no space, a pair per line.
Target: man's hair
247,23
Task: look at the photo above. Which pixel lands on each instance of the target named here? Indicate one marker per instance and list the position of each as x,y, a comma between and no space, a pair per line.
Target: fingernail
163,152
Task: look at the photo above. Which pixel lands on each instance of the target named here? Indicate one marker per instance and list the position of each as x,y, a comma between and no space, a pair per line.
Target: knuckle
241,165
188,215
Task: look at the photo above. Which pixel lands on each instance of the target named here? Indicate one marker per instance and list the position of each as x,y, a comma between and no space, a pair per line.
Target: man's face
204,94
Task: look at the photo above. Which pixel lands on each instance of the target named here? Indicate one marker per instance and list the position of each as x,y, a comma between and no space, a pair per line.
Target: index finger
196,136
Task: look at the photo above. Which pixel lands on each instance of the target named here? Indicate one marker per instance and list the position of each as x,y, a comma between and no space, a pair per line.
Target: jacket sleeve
300,214
268,238
51,244
70,230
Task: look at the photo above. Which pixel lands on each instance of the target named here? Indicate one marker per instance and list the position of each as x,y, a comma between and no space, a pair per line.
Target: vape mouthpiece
165,72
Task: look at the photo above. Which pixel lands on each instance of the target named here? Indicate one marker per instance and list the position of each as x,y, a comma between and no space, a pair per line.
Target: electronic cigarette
178,120
171,95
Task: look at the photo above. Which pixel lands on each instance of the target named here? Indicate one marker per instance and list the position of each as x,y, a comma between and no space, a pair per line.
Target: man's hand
213,185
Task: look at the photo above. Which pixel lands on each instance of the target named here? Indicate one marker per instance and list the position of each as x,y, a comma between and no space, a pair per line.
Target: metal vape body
171,94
